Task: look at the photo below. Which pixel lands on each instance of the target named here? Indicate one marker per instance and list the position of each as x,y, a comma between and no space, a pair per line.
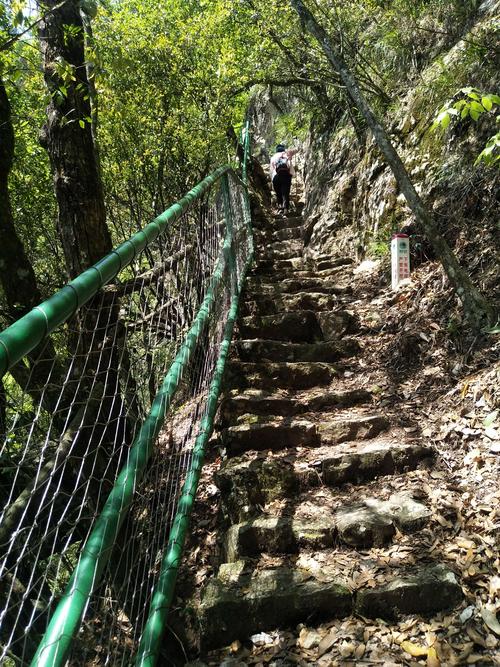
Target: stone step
284,222
267,305
371,522
248,483
309,283
276,535
280,250
261,350
291,375
306,274
240,601
235,605
278,266
299,326
258,402
263,236
257,432
251,433
332,262
294,327
345,427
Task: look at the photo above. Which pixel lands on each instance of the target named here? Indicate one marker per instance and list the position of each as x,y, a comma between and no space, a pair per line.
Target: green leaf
487,103
465,112
474,114
477,107
81,123
495,98
473,96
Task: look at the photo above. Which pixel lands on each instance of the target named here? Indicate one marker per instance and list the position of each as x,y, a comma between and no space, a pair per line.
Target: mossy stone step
276,250
278,266
357,462
256,304
286,234
248,483
283,222
337,323
260,402
285,375
254,432
344,428
308,283
275,535
255,435
238,602
300,326
332,262
424,590
271,350
371,522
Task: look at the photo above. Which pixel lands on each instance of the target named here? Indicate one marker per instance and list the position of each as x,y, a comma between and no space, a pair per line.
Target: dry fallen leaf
413,649
326,643
432,658
490,618
475,636
360,651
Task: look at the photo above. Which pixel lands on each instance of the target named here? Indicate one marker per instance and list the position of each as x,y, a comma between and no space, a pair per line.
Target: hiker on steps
281,169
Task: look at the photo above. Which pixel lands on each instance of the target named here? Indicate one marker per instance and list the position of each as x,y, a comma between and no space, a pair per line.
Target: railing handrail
26,333
67,616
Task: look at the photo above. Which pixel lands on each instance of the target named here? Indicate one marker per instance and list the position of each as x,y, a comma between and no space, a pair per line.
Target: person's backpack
282,164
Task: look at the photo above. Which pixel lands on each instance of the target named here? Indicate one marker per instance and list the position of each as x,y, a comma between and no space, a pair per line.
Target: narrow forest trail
324,515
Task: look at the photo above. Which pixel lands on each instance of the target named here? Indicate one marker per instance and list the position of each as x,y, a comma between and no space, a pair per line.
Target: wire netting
68,416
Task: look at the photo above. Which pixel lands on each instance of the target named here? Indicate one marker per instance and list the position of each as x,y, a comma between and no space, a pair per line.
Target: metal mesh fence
70,411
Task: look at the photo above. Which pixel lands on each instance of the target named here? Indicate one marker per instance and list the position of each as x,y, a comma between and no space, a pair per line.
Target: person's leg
285,189
278,190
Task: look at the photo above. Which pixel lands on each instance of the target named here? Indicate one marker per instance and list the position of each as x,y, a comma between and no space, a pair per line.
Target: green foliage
472,103
292,126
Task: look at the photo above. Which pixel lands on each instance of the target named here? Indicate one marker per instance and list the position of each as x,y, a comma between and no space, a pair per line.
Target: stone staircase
302,445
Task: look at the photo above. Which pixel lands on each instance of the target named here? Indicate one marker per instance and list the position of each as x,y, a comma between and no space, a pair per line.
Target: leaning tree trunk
476,308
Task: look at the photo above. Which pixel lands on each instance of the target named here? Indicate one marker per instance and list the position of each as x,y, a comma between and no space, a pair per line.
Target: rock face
293,435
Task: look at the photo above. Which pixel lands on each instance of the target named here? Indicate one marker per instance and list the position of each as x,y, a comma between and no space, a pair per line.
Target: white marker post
400,256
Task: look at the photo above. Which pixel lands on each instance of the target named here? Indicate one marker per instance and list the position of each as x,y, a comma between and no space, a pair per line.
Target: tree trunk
17,277
67,135
16,273
97,345
476,308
